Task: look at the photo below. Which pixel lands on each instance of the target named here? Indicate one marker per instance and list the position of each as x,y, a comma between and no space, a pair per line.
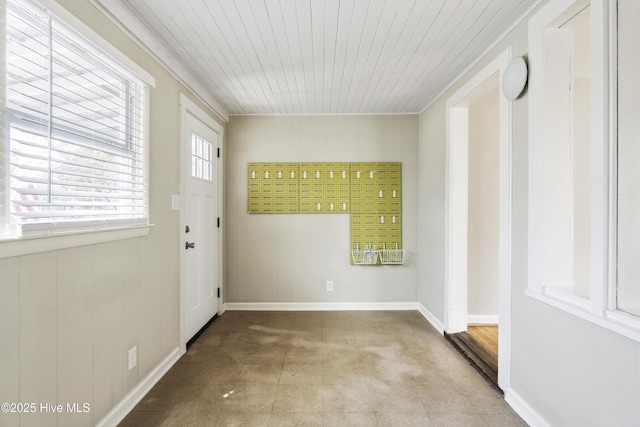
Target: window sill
615,321
12,247
565,294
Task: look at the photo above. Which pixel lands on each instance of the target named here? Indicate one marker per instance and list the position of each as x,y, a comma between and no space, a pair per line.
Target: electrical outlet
133,357
329,285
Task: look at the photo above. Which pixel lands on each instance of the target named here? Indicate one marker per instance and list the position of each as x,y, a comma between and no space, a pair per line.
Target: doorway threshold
475,353
205,326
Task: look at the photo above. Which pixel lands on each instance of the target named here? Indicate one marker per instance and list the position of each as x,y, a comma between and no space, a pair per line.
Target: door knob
189,245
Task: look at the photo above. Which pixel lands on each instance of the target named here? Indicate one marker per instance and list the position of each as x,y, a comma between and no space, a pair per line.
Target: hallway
351,368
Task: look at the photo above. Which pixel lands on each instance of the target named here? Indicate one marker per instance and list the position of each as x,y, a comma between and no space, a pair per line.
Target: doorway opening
478,191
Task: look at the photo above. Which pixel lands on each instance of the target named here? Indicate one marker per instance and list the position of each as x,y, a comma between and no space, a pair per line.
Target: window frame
600,308
95,232
86,37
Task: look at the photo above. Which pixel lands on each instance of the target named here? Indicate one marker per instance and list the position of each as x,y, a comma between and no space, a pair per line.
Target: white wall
432,210
564,371
484,204
581,151
287,258
68,317
628,158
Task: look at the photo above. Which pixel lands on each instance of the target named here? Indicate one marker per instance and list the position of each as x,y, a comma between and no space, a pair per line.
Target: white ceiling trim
399,113
145,39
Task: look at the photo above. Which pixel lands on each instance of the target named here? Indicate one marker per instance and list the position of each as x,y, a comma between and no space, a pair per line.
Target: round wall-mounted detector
514,78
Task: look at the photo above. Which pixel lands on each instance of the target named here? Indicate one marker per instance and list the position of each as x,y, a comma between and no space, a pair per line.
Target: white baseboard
122,409
431,318
319,306
335,306
482,319
522,408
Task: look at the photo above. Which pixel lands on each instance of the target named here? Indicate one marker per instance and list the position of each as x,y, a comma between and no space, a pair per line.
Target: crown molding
131,25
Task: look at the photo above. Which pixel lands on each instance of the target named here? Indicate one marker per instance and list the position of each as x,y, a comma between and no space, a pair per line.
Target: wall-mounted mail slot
371,192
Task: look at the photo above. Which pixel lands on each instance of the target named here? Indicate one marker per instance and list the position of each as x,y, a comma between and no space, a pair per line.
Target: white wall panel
10,337
38,335
103,335
74,333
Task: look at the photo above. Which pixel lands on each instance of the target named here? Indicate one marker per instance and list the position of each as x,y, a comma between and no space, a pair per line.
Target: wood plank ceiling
326,56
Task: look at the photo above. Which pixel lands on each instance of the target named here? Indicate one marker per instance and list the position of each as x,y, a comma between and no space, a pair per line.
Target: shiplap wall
288,258
68,317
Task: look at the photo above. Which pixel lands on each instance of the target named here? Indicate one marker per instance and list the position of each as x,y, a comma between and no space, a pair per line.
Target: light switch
175,202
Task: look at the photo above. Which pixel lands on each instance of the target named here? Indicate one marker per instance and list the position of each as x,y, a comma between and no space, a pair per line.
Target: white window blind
75,123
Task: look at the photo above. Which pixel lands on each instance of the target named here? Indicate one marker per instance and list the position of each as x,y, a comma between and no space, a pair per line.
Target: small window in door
201,158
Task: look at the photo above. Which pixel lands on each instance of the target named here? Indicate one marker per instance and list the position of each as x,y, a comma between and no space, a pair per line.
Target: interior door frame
456,211
189,107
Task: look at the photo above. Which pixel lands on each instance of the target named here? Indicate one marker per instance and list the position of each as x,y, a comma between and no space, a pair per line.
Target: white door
200,227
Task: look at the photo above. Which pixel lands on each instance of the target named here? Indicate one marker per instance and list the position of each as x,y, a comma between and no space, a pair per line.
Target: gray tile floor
345,368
